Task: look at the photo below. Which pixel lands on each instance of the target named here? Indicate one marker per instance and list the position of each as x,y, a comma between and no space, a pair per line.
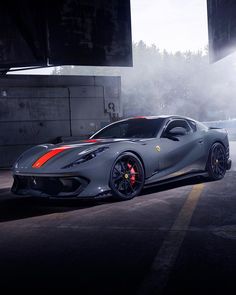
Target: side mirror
178,131
175,132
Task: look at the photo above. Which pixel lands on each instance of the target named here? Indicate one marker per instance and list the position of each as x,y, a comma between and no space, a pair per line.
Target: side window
177,128
116,131
193,125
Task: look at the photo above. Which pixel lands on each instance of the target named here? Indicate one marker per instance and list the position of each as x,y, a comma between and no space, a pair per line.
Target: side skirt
176,178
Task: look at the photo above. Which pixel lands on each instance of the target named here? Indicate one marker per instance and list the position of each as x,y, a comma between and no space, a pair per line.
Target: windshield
133,128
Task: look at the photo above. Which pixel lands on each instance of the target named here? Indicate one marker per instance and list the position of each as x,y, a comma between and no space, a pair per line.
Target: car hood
48,158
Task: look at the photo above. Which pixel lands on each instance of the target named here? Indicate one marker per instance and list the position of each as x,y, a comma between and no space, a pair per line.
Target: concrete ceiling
65,32
222,28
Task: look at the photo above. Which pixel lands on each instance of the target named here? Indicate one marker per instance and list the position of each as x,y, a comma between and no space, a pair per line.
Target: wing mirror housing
174,133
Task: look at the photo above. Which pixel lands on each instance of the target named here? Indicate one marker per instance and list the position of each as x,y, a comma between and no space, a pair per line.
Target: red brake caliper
132,171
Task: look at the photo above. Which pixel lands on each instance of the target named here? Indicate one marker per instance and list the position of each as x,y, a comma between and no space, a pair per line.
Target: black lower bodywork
49,186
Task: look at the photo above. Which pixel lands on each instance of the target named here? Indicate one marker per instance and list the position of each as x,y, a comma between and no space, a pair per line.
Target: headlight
87,157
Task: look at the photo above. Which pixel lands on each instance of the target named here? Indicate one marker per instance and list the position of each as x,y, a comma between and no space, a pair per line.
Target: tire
126,177
217,162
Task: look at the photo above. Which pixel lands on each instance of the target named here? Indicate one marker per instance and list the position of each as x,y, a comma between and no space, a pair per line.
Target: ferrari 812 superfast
123,158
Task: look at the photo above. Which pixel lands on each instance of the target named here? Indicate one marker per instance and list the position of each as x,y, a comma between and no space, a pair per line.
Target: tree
182,83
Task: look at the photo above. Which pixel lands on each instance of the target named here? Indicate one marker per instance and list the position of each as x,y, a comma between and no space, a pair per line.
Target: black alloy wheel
127,177
216,165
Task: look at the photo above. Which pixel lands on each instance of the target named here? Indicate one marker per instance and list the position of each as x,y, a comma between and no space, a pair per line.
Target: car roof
147,117
162,117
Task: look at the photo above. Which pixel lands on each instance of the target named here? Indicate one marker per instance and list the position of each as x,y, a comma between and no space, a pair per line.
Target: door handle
200,141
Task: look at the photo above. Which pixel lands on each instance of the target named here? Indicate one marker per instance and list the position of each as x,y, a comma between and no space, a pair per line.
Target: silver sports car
122,158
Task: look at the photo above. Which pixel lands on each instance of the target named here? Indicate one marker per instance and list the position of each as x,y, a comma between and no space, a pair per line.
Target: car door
181,145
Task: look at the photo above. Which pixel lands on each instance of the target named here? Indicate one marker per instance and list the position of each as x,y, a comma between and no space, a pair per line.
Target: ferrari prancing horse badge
158,148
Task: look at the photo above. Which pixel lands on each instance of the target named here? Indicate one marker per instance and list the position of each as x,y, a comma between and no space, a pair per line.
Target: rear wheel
216,164
127,177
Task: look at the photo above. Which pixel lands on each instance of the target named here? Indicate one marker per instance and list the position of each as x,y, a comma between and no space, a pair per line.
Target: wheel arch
216,141
219,141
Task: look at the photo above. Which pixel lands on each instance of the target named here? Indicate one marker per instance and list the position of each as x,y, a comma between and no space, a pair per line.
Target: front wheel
127,177
217,162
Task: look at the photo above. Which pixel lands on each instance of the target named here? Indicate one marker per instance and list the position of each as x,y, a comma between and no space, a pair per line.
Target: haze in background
171,73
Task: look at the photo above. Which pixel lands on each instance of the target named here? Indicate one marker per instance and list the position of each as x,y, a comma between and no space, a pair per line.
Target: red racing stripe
90,140
52,153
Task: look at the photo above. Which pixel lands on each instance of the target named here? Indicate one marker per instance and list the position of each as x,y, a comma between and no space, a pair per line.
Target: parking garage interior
174,238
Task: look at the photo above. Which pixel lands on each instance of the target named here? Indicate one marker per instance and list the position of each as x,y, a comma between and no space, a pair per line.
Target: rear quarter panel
216,135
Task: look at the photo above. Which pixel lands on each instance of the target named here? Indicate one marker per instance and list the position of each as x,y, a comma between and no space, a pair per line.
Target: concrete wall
38,109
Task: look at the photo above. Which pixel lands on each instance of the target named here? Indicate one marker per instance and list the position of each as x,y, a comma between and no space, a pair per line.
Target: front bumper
58,186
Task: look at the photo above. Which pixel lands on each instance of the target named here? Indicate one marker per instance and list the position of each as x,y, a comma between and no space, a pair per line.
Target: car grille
52,186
